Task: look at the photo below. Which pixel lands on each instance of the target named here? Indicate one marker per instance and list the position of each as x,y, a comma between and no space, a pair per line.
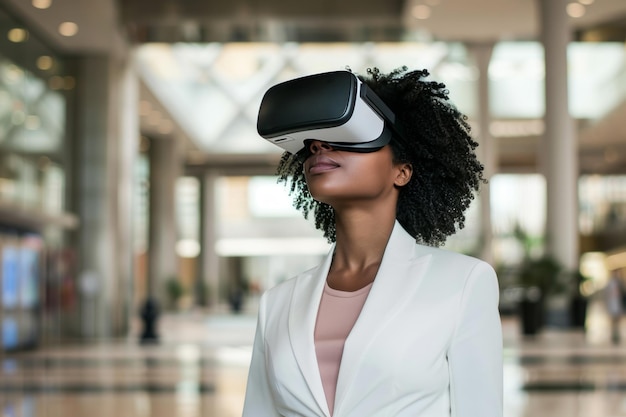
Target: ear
404,173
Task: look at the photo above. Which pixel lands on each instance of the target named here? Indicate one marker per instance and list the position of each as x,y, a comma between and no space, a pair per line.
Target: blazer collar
302,317
397,279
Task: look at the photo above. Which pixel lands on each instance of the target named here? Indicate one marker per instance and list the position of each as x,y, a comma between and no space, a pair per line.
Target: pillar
488,147
105,131
559,148
209,264
165,168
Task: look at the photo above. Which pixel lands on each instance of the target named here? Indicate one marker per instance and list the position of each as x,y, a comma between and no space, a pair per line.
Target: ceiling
107,26
105,23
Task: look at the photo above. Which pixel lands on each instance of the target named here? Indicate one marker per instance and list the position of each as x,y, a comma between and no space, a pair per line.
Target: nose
316,146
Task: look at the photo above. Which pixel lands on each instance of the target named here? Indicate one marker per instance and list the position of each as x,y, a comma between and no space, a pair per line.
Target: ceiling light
68,28
55,82
18,35
586,2
421,12
575,10
44,62
69,83
42,4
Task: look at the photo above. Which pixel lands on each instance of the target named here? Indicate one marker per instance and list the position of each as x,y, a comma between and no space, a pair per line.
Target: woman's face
335,177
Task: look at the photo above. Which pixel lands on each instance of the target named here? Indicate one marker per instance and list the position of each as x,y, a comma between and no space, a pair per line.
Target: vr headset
334,107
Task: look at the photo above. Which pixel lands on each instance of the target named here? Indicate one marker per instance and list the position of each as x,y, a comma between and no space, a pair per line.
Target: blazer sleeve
475,353
259,401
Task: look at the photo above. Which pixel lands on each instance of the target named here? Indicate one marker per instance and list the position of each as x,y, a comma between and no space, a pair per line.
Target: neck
361,238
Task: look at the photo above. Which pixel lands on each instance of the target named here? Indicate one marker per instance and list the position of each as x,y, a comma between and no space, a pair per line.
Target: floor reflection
200,369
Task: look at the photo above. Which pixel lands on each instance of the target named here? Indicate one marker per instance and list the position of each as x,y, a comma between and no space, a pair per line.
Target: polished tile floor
199,369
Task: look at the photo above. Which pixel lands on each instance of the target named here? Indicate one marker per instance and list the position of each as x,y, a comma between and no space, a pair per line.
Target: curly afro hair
434,138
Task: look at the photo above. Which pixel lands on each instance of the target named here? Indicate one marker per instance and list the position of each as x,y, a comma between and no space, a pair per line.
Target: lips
320,163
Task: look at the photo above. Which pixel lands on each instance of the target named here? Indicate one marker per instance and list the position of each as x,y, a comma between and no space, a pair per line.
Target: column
126,119
560,149
105,135
165,168
488,148
209,264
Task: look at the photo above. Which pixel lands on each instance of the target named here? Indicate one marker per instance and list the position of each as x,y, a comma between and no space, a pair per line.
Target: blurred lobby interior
141,219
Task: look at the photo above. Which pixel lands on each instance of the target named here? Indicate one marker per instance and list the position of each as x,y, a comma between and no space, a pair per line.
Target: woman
384,326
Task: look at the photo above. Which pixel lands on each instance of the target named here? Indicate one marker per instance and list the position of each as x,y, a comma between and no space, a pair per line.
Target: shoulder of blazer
446,256
285,288
454,265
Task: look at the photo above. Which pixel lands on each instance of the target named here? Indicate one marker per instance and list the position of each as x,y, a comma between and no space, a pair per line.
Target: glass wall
30,177
37,267
602,204
33,88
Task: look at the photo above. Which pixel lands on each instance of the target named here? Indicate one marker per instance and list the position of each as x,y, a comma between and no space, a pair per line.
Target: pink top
336,316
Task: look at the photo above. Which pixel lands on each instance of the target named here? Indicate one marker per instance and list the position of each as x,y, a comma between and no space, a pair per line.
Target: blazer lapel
302,317
398,278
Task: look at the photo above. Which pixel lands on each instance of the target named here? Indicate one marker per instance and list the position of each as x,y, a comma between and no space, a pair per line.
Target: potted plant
175,291
578,303
238,291
538,277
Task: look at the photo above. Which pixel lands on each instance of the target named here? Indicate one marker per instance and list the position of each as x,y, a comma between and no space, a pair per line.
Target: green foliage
542,273
530,244
174,289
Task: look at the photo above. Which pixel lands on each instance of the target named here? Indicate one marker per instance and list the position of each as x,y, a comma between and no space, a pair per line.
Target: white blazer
428,342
